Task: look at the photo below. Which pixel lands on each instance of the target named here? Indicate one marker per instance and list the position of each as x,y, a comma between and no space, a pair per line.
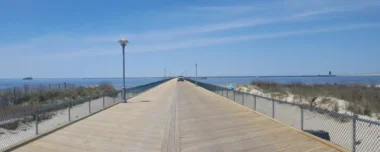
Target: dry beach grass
55,100
358,99
38,99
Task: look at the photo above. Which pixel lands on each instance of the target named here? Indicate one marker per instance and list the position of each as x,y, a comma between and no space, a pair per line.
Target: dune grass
37,99
362,99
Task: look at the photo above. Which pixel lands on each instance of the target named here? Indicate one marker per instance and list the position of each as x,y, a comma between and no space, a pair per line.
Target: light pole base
124,95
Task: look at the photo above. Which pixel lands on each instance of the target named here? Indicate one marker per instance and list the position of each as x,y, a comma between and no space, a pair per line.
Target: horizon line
318,75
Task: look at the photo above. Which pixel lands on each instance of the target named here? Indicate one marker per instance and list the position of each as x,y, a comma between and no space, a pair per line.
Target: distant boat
27,78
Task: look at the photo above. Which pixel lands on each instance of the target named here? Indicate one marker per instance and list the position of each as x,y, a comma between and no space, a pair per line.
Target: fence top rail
144,85
368,121
336,114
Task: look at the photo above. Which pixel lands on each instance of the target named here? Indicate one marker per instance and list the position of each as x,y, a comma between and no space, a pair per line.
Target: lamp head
123,42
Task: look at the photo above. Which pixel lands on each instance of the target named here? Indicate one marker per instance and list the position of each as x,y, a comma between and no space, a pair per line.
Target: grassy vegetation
33,100
362,99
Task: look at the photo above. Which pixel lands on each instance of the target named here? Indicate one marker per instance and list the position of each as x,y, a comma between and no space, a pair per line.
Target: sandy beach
340,131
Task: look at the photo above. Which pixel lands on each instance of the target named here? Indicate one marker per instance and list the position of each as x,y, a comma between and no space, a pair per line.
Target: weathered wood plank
210,122
134,126
178,117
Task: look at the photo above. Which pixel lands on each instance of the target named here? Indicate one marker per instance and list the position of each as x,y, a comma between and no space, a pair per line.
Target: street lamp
123,42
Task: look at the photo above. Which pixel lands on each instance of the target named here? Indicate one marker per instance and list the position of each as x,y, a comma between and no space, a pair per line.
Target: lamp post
123,42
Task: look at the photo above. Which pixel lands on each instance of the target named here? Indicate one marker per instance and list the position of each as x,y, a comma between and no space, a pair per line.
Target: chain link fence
15,95
347,131
17,127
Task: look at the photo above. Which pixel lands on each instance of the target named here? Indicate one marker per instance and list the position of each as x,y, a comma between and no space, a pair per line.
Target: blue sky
49,39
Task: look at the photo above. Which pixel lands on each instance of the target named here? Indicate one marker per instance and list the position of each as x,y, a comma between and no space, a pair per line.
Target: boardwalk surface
176,117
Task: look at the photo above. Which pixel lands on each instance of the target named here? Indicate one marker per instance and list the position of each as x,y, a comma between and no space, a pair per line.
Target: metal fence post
14,95
254,102
301,118
89,106
243,94
69,111
354,133
233,91
25,89
103,101
36,123
272,108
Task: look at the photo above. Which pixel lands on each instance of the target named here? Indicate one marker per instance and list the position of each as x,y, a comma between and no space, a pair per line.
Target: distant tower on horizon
330,73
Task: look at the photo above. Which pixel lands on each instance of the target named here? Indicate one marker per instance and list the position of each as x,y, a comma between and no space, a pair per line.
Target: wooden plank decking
176,117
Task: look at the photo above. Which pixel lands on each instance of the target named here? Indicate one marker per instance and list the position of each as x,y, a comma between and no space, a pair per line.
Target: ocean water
131,82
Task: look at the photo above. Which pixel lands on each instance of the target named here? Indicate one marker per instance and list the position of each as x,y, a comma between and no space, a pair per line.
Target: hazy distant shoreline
289,76
363,75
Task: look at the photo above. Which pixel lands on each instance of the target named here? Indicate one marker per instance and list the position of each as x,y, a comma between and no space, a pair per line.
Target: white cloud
228,9
212,41
212,27
340,4
223,40
314,9
314,13
63,45
295,5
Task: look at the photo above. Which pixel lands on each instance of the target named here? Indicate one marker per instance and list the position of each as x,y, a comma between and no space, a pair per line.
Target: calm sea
130,82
